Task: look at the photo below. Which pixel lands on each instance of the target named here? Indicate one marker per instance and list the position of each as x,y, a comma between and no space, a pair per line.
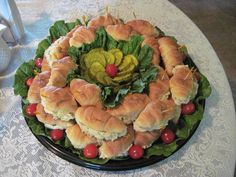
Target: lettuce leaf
111,43
42,46
145,57
25,71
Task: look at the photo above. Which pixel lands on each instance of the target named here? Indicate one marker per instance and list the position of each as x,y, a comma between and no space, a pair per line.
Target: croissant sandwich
99,123
59,102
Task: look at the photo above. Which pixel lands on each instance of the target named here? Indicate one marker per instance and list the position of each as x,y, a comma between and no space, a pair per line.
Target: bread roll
85,93
151,118
130,107
183,85
60,70
57,50
145,139
170,53
143,27
79,139
59,102
159,89
120,31
39,81
152,42
49,121
103,20
170,110
118,147
82,35
99,123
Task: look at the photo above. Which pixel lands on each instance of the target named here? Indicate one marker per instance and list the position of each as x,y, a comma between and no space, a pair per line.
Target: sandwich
82,35
170,54
39,82
78,138
100,124
59,71
130,107
85,93
49,121
57,50
59,102
183,84
119,147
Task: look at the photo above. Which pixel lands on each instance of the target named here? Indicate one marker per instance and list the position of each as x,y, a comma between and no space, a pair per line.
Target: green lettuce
24,72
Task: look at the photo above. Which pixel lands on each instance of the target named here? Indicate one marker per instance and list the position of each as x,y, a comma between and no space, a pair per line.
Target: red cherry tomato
111,70
38,62
31,109
136,152
90,151
29,81
56,134
167,136
187,109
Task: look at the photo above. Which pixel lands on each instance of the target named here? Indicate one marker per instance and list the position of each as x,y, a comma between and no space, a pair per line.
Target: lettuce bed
112,96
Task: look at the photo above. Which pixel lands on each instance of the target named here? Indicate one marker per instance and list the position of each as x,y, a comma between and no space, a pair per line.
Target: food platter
108,95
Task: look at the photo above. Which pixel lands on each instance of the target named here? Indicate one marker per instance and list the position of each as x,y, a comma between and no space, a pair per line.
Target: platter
119,70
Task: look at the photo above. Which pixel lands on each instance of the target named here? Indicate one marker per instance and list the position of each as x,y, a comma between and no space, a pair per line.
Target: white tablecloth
210,152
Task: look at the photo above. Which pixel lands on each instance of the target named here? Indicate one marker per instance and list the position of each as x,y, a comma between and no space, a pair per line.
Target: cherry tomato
167,136
187,109
38,62
56,134
136,152
90,151
29,81
197,76
111,70
31,109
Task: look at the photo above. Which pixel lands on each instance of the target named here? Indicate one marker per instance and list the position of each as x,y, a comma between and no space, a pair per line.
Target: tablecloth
210,152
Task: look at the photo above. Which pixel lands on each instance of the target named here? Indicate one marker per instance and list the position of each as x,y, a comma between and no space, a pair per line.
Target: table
211,150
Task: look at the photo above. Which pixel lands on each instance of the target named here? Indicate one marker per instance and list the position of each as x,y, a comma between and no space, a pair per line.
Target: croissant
100,124
59,102
39,81
82,35
170,54
152,42
130,108
159,89
145,139
143,27
103,20
151,118
120,31
79,139
49,121
85,93
57,50
60,70
183,84
118,147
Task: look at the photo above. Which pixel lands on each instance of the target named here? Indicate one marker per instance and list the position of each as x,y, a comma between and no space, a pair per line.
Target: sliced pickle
122,78
133,59
100,76
90,58
118,56
128,70
96,67
110,59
